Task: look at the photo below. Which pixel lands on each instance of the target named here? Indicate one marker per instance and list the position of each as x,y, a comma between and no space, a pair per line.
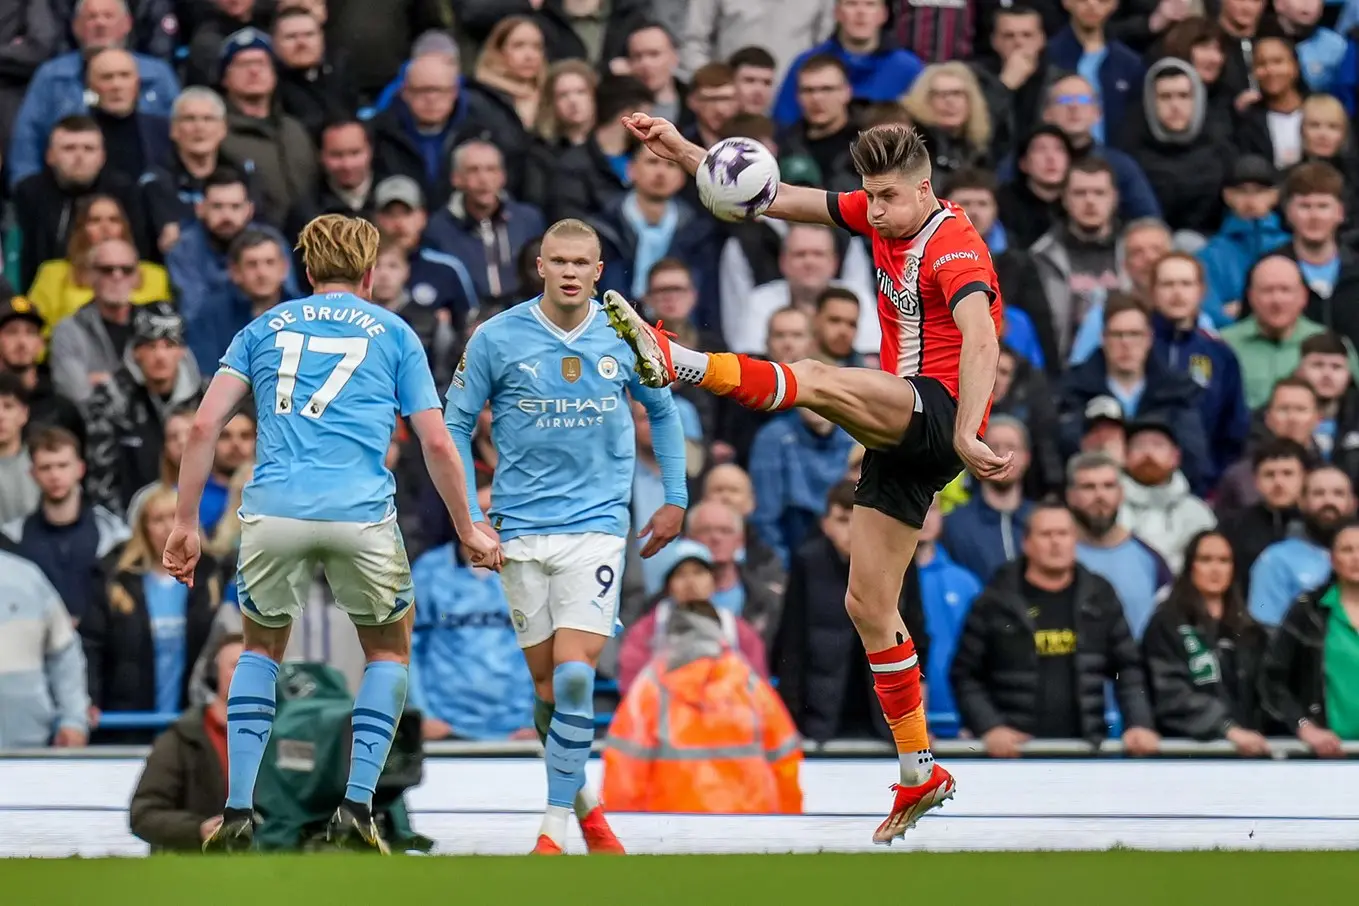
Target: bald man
1268,342
134,142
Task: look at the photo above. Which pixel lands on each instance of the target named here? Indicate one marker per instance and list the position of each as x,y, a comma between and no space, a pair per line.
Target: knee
573,684
869,613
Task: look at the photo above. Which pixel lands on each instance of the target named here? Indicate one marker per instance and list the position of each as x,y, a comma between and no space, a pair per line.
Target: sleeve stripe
967,289
833,208
227,369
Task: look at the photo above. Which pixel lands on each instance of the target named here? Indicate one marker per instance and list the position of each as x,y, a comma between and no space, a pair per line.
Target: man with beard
1157,502
1279,465
1292,566
1106,547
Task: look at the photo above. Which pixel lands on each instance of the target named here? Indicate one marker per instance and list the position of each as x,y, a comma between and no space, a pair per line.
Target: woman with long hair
947,106
63,285
513,66
1308,681
1326,137
566,110
1203,652
142,639
1270,124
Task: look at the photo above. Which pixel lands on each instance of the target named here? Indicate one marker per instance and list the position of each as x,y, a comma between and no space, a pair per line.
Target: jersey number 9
353,350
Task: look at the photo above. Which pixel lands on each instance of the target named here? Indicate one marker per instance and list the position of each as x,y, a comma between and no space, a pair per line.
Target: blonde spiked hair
571,228
338,249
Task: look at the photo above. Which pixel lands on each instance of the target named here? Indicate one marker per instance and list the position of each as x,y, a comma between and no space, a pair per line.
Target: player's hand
482,547
432,728
1248,742
1141,741
1004,742
209,827
182,550
69,738
1323,742
982,461
663,527
658,134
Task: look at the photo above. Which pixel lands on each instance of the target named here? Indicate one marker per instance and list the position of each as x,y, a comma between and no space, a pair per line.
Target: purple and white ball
738,179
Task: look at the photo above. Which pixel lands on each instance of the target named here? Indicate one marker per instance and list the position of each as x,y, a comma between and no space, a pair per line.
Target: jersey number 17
353,350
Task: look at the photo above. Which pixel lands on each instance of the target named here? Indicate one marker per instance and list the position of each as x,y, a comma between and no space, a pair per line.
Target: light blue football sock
249,720
381,699
571,732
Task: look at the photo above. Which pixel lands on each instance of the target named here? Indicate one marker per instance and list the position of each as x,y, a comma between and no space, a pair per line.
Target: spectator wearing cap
1104,429
1030,201
217,21
18,492
1157,502
88,347
435,113
1182,345
1126,370
593,174
824,685
197,130
281,154
314,86
58,87
988,531
435,280
69,534
482,225
136,143
45,203
878,69
200,268
1268,342
1314,209
690,570
21,356
126,415
1184,161
1027,327
1041,643
1277,467
1022,392
1249,230
715,31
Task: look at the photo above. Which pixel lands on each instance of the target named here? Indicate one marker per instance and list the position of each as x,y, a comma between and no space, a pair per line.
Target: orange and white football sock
896,679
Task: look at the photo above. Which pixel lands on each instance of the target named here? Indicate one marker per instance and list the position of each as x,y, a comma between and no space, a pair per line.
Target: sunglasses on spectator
122,270
1067,100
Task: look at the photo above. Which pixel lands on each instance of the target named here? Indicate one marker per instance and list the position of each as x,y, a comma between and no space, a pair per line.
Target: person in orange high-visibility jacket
701,731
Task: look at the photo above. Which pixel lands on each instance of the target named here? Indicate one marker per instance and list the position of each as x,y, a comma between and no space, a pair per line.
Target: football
738,179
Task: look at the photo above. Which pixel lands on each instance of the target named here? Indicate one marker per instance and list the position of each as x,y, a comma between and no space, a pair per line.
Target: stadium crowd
1168,190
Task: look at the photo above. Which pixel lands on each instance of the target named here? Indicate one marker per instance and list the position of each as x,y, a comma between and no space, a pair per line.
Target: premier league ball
738,179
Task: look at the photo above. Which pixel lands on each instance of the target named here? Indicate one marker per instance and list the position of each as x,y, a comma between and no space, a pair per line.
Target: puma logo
369,746
261,735
531,369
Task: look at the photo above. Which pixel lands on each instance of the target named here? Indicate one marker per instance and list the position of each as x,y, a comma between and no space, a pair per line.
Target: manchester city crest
608,367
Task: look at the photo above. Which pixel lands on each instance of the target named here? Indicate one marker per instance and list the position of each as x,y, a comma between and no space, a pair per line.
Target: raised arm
796,203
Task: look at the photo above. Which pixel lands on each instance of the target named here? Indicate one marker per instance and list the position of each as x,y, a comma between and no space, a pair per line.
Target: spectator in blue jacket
794,462
468,678
1321,50
436,278
199,271
1142,384
650,223
1182,345
1250,229
1292,566
987,532
1112,67
946,594
877,71
58,87
482,225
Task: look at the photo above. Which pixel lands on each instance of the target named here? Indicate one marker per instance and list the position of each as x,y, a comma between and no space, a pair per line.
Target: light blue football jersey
561,423
329,374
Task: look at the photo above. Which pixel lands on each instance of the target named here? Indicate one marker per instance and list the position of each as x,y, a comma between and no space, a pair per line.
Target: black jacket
1202,682
1338,312
1250,531
120,654
1031,401
817,655
1186,178
1293,677
572,182
995,669
320,93
48,407
1026,216
1021,286
560,41
378,35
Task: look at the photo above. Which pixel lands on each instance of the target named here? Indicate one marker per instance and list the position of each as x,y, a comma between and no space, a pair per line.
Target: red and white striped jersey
920,279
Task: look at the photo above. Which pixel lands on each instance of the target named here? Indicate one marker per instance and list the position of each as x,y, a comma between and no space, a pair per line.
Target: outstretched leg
873,406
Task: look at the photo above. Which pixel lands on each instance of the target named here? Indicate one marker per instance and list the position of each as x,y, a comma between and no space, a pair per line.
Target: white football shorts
563,582
364,562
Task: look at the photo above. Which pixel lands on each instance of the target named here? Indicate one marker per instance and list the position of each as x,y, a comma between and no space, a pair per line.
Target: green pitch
1012,879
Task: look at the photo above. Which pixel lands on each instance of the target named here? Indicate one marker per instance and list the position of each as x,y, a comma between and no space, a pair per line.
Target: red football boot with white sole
546,846
913,802
650,344
599,837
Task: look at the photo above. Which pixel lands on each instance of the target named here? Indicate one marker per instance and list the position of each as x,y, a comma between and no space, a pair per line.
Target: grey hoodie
1155,127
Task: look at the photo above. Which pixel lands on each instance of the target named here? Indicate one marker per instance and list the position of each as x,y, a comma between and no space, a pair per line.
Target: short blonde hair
571,228
338,249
